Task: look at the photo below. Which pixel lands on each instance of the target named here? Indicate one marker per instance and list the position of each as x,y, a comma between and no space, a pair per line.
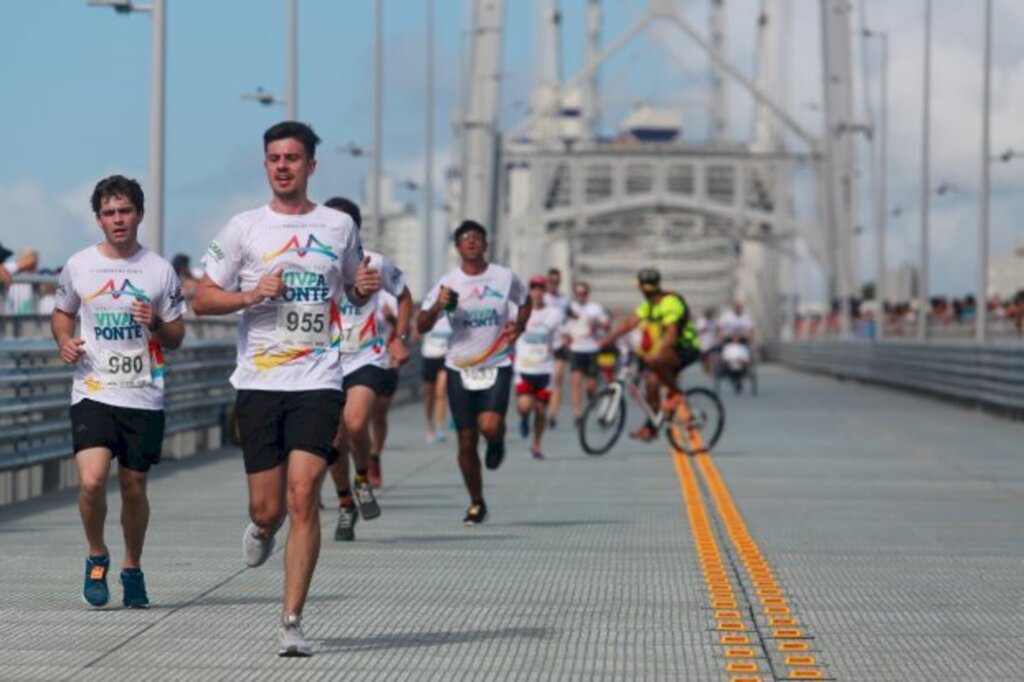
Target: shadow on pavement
412,640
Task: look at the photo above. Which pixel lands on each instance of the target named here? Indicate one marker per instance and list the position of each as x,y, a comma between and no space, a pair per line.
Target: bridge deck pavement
893,522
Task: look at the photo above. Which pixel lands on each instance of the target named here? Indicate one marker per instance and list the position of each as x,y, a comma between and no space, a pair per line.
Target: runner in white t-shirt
477,298
554,298
433,348
535,362
367,356
588,321
391,311
736,324
282,266
129,302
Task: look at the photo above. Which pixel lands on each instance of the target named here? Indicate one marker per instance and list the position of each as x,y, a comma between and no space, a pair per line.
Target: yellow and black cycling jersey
656,318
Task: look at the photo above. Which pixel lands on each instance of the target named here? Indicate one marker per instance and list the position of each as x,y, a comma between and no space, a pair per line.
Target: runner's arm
212,299
628,325
169,334
62,324
399,348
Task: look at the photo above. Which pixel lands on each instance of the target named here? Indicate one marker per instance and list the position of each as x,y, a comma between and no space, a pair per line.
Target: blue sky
76,91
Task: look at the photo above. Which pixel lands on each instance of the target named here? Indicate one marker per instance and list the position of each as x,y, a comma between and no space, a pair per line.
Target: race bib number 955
303,325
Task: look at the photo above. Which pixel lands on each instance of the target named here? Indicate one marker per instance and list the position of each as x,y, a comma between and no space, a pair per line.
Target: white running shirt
435,342
364,336
583,339
562,303
535,347
122,365
290,343
482,312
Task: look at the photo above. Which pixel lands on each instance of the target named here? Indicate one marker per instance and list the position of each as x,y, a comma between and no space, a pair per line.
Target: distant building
901,284
1006,272
402,237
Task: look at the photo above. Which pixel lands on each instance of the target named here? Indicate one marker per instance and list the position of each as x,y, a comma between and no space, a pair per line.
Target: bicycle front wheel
602,422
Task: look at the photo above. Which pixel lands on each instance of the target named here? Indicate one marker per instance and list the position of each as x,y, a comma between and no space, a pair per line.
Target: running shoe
365,500
524,425
552,422
256,548
439,437
134,584
537,454
95,592
293,643
346,528
475,515
430,437
495,453
374,474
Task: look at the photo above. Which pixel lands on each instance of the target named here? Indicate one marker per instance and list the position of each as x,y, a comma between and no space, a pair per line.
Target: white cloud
55,224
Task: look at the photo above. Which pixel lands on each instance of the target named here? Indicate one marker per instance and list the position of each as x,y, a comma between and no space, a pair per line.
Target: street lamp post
428,179
922,294
981,299
882,189
378,95
293,60
157,90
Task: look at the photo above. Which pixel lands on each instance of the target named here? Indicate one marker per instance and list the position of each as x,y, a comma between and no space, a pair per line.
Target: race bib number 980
303,325
125,368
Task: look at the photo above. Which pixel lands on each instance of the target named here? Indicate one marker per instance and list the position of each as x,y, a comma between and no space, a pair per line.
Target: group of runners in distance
323,326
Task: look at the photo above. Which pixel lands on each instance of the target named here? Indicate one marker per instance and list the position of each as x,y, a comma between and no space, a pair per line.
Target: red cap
538,280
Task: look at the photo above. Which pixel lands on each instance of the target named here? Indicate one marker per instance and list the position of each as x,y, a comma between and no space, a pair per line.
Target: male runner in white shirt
535,362
130,305
588,322
366,357
477,297
282,266
553,297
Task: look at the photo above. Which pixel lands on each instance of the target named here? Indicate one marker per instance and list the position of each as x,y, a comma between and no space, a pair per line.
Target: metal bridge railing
35,388
986,375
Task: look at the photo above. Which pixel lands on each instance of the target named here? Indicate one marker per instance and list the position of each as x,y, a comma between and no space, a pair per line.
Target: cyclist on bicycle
669,342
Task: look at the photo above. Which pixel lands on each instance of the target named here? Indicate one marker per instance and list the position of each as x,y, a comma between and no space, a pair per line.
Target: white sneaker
293,643
256,548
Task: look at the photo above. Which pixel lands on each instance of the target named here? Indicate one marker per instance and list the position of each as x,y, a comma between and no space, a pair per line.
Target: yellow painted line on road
720,581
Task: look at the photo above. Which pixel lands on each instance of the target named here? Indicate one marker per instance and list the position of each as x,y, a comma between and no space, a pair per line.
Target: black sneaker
495,453
475,515
134,584
365,500
552,422
346,528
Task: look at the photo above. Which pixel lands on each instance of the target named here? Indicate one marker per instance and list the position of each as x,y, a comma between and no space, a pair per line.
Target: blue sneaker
134,584
95,591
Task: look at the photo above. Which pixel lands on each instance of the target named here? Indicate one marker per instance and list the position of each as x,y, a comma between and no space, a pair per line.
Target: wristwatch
404,338
156,324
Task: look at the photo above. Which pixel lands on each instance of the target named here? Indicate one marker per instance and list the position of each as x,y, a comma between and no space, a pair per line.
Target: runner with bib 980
476,299
283,266
669,343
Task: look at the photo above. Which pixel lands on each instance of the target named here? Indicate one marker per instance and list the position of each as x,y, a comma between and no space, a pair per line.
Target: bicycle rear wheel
707,415
602,421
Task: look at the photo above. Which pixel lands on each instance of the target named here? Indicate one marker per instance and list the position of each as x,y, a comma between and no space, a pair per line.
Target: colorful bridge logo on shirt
126,289
313,245
483,293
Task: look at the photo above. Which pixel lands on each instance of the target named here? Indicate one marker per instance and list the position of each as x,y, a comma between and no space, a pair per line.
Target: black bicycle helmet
649,278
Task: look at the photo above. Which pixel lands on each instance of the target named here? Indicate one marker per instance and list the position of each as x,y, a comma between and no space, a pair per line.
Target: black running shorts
562,353
383,382
466,406
273,423
135,437
430,368
584,362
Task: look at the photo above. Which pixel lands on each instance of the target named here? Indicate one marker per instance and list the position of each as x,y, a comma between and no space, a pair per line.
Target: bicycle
604,418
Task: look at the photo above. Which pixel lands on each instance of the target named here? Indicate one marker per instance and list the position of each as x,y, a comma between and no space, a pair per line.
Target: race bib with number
350,340
478,378
303,325
534,349
125,368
